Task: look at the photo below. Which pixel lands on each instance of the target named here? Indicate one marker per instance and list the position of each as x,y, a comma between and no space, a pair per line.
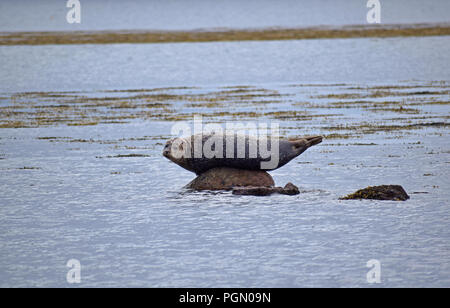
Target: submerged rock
382,192
289,189
224,178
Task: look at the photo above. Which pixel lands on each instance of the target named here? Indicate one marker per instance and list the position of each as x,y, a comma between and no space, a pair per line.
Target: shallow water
82,175
136,66
130,223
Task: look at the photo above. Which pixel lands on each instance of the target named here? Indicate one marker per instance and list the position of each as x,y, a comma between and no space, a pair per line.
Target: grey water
134,66
50,15
130,223
66,194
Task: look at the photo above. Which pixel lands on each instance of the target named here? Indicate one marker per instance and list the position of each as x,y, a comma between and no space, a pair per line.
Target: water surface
50,15
82,175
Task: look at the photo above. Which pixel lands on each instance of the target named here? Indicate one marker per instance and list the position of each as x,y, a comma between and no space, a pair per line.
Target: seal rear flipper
306,142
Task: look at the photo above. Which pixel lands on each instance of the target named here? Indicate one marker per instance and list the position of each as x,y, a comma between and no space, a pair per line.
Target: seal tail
306,142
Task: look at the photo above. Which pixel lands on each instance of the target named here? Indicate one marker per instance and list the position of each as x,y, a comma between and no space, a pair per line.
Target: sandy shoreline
221,35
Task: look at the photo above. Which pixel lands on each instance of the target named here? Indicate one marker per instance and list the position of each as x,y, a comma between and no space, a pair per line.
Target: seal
202,152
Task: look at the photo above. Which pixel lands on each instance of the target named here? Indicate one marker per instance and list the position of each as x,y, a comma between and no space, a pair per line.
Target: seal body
202,152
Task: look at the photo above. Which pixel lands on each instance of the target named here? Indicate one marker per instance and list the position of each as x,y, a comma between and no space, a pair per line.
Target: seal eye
181,147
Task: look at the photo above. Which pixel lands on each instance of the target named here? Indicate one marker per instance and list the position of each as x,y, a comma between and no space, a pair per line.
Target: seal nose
166,152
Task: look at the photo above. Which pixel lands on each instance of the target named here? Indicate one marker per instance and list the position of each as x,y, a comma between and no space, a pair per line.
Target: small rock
289,189
255,191
382,192
224,178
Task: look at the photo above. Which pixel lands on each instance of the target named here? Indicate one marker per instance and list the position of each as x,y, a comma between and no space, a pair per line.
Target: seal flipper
302,144
306,142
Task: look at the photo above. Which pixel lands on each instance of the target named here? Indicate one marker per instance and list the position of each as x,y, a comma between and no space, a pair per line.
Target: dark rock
382,192
255,191
224,178
289,189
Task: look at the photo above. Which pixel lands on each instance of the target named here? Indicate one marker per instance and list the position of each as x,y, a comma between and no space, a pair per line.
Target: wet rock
255,191
288,189
382,192
224,178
